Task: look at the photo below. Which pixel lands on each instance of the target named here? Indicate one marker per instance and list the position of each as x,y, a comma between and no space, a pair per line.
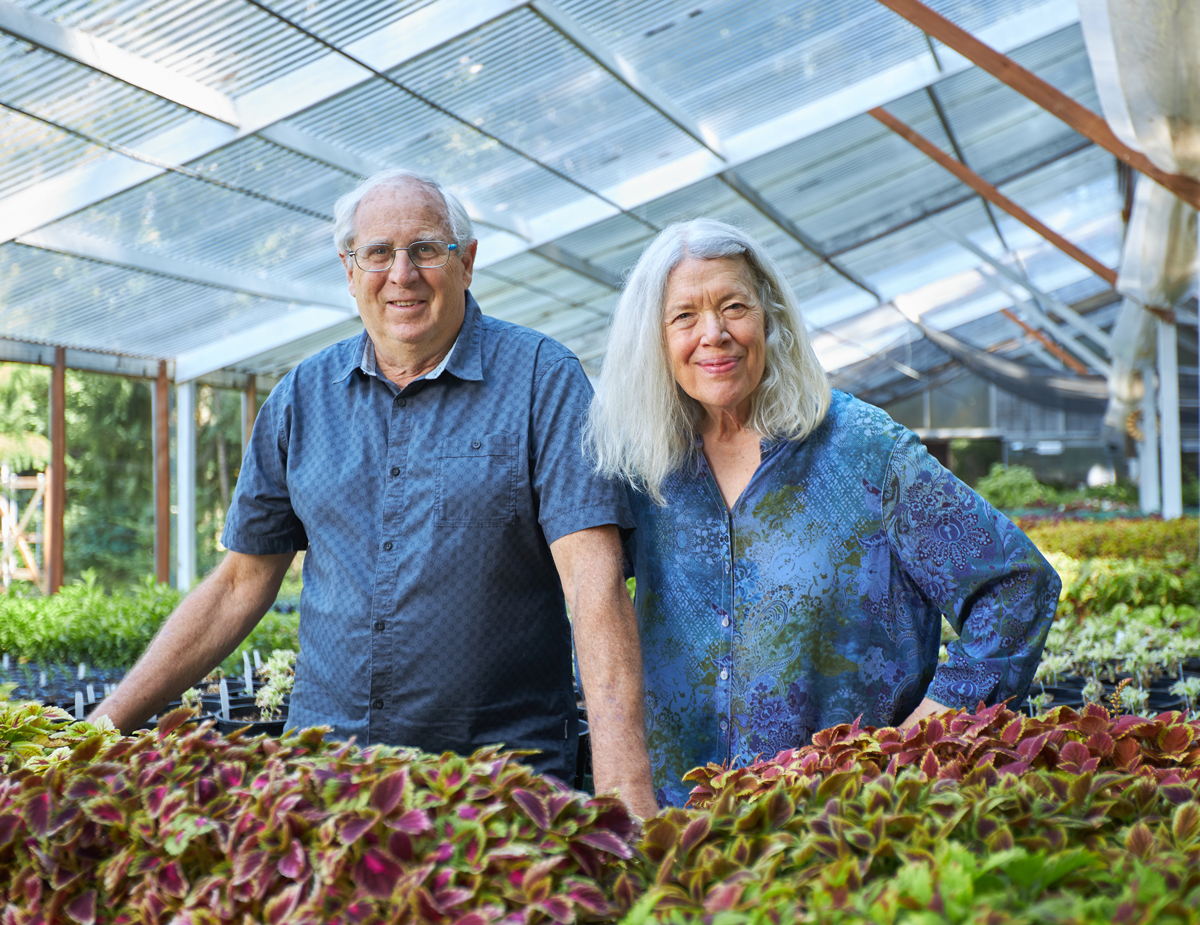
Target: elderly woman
795,549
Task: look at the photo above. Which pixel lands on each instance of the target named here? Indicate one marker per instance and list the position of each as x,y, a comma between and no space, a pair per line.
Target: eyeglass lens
425,254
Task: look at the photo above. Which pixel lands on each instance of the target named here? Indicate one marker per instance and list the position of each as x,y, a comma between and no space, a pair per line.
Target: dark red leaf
294,862
534,807
386,793
606,841
377,873
37,814
83,908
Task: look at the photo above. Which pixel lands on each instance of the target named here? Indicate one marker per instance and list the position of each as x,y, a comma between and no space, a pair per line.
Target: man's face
407,307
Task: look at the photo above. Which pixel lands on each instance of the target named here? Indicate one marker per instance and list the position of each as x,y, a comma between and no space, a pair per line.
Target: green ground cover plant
1118,538
87,623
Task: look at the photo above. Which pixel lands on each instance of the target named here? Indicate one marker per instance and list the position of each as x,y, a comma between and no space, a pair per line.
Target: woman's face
716,334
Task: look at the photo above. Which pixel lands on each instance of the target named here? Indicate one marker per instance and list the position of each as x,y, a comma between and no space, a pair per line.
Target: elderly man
431,466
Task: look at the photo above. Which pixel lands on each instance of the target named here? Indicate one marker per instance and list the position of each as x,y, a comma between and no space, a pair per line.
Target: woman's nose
714,328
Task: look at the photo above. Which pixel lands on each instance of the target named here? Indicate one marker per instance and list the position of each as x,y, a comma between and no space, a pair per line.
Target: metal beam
1029,85
739,185
577,264
1062,309
255,340
89,248
989,192
107,58
625,73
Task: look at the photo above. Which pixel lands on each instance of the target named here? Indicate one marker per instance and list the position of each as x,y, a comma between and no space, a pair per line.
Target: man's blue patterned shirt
432,613
819,597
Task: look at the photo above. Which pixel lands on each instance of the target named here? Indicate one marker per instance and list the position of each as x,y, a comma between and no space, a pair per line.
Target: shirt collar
464,359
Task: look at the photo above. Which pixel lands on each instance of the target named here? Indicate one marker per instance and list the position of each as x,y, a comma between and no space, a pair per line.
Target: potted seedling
268,714
1188,689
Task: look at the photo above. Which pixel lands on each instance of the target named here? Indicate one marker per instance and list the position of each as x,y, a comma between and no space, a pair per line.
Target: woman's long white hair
642,425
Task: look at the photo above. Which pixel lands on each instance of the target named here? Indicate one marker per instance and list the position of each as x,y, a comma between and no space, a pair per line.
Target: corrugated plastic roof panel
567,136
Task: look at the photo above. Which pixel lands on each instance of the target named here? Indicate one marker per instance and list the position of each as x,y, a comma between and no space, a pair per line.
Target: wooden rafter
989,192
1046,342
1029,85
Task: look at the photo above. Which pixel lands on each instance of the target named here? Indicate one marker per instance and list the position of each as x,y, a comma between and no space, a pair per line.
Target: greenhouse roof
168,167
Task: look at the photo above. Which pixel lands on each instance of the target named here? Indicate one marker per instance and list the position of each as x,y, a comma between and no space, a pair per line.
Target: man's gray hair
642,425
345,208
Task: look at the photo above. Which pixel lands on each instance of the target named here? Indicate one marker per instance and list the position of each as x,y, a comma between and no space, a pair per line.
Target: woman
795,548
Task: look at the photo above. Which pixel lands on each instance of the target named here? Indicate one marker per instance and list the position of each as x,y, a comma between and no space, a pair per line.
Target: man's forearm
611,666
610,662
208,625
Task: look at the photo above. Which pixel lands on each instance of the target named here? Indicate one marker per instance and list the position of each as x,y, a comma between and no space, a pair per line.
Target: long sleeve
987,578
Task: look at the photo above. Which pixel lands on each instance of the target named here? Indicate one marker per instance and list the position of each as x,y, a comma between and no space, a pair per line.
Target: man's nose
402,267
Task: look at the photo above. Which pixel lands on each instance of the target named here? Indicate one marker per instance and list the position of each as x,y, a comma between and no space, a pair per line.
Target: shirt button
387,547
378,704
475,444
724,725
403,402
725,622
724,675
379,625
395,470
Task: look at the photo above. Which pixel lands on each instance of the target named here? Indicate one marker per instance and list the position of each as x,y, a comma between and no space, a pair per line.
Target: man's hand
925,708
207,625
610,662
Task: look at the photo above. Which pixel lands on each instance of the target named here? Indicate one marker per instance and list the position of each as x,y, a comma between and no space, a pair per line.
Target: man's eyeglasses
428,255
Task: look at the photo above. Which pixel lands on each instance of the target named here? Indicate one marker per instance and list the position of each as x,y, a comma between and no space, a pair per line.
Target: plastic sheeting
1147,72
1084,394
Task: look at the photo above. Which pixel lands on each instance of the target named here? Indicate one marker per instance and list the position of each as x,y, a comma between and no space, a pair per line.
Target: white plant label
249,674
79,704
91,694
224,699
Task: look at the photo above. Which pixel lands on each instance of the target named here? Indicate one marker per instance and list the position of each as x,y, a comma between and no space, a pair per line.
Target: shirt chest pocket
477,481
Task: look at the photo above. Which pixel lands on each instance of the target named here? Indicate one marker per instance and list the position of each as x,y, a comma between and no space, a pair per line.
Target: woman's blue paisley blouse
819,597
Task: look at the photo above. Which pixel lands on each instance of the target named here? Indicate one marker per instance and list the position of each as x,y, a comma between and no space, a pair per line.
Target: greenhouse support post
185,482
56,487
1148,497
1168,396
162,475
249,409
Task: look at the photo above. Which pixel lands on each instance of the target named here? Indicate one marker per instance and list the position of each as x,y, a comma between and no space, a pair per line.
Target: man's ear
468,262
348,265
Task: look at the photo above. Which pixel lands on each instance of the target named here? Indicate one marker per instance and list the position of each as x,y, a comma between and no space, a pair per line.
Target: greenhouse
936,658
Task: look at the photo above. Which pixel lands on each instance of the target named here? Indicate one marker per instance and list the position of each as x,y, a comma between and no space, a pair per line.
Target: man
432,469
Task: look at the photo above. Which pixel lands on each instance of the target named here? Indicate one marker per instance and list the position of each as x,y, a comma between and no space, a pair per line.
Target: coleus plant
183,825
955,744
844,847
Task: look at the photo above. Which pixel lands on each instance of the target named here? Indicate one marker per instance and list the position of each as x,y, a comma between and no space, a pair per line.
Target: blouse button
724,675
724,725
725,621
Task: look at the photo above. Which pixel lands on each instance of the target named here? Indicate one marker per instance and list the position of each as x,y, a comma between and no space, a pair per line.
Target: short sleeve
569,494
978,569
261,520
